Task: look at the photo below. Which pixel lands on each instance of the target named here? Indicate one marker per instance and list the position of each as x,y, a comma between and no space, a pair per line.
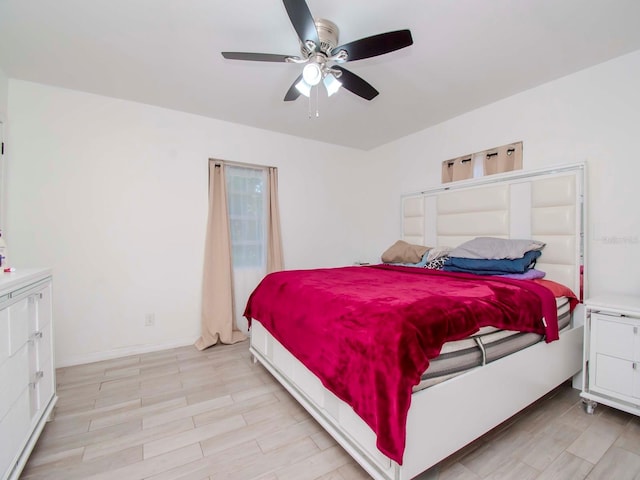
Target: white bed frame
546,205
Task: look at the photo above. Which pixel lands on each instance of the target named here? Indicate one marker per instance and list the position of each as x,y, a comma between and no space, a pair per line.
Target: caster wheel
589,406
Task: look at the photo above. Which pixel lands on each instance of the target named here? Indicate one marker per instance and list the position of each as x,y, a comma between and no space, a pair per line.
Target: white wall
592,116
4,94
113,196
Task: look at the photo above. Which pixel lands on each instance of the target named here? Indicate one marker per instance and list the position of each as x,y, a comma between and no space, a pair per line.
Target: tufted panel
492,198
413,220
555,221
555,191
477,224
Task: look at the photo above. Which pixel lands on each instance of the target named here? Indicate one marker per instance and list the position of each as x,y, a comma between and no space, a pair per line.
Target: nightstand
611,373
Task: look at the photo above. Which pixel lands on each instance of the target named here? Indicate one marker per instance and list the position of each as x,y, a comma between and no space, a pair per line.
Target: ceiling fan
321,54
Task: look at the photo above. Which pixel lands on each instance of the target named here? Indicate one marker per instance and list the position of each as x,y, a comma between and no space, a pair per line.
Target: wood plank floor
182,414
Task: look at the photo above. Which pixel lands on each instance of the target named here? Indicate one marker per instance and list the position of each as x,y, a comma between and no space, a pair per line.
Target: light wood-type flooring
190,415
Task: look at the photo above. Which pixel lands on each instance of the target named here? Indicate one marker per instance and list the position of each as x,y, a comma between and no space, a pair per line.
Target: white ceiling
466,54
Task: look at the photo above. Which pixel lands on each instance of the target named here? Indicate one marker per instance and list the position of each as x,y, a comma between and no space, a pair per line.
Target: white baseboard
121,352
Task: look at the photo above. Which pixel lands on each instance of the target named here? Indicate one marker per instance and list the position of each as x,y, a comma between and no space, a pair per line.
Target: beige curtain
217,285
503,159
457,169
275,260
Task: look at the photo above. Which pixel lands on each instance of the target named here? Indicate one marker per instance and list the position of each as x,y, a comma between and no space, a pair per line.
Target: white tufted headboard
545,205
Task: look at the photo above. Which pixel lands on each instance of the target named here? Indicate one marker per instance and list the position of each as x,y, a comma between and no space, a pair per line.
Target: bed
546,205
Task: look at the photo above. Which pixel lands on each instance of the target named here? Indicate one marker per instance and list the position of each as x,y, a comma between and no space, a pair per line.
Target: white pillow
495,248
438,252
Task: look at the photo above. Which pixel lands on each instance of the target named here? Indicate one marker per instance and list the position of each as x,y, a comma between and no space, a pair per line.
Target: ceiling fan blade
293,93
256,57
376,45
302,20
355,84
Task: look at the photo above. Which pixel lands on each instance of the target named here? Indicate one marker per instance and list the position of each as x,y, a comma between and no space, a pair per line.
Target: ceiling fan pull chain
309,111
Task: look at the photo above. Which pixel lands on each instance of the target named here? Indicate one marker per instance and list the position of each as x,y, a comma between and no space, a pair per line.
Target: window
246,198
489,162
247,207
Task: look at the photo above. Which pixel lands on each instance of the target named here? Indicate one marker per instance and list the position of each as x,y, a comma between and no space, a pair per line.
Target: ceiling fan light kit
303,87
332,84
312,74
321,54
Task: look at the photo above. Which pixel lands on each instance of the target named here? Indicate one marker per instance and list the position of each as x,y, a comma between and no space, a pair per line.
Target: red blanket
368,332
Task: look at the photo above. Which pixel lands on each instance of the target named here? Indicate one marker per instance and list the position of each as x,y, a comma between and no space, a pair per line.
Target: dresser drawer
14,379
14,430
43,306
44,343
19,324
4,335
42,370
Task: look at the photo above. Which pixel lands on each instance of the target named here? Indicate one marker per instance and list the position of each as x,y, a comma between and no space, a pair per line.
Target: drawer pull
635,366
36,378
635,330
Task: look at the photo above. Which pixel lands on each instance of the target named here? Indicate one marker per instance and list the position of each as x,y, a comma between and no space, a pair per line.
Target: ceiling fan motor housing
328,34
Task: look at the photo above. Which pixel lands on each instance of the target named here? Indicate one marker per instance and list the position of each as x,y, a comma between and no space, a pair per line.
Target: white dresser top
620,303
21,277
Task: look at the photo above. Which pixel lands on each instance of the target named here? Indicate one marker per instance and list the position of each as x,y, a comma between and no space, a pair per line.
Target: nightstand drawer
616,336
613,375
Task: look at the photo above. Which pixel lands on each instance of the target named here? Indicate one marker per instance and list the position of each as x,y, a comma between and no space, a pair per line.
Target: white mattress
485,346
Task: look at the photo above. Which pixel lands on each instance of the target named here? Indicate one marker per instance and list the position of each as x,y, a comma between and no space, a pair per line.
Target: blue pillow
483,266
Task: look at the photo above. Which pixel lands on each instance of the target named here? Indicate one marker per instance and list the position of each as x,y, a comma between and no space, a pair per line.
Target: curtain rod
239,164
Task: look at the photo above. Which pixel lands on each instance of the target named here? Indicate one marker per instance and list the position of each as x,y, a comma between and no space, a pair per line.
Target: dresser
27,375
612,353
